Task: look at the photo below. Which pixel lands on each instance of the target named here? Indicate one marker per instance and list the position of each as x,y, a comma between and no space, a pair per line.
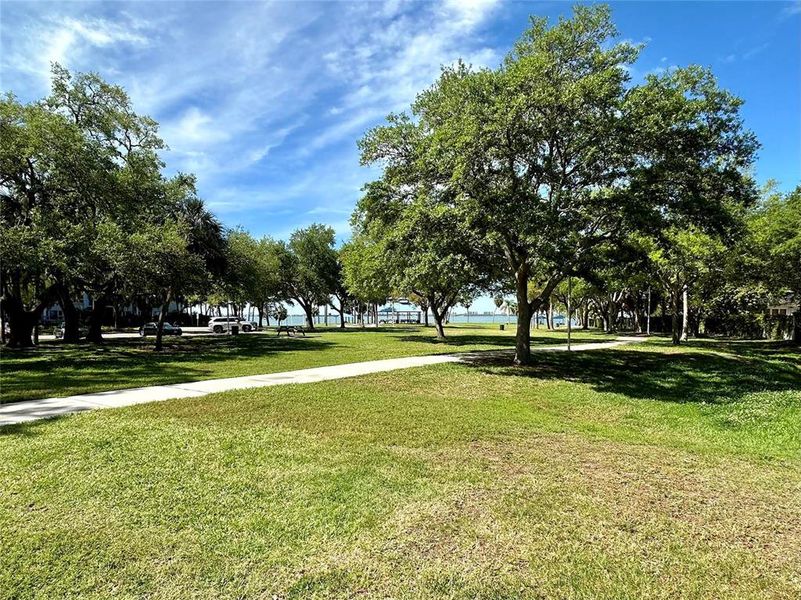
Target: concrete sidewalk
32,410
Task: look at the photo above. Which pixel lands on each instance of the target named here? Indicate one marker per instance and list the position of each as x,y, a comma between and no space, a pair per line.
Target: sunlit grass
638,472
55,369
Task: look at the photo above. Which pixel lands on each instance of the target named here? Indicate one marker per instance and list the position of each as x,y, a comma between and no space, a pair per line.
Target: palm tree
498,299
206,236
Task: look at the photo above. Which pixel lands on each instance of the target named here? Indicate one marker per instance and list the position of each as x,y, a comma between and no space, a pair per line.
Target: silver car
224,324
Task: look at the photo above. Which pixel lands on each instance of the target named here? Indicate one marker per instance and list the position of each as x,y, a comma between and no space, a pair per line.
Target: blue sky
265,101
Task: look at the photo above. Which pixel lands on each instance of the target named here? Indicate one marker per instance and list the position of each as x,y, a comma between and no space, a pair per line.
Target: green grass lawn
638,472
56,369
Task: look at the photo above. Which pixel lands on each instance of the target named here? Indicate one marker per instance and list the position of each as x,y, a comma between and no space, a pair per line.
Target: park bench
291,330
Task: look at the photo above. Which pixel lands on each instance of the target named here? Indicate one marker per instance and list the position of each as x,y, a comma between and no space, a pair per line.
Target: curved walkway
32,410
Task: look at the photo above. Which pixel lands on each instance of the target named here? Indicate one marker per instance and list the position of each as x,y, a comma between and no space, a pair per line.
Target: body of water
559,320
333,320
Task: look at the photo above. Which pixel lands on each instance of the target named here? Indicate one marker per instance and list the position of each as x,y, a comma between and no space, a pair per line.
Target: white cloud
100,32
747,55
271,94
791,9
194,129
387,66
755,50
351,126
662,70
468,13
68,41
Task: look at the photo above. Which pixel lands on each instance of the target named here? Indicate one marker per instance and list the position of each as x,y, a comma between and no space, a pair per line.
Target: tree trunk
160,325
438,318
72,318
2,312
95,333
21,322
610,316
21,330
524,310
676,323
685,314
341,311
2,309
439,313
307,308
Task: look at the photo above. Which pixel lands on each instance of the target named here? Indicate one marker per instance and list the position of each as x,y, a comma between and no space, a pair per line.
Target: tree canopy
310,268
555,153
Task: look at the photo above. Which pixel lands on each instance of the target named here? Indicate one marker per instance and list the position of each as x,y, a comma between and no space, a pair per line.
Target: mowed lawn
56,369
638,472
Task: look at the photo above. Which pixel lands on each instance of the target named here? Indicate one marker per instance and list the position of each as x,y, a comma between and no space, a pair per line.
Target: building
788,306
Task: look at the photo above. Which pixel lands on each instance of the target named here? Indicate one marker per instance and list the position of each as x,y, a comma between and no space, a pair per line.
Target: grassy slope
60,370
636,472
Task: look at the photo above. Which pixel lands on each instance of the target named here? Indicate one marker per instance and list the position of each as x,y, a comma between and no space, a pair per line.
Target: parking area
118,335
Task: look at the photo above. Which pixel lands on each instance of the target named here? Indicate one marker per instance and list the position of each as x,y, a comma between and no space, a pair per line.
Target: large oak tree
554,153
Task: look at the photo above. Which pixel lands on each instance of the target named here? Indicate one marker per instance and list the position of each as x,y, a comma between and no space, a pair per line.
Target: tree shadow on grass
126,363
461,340
749,348
686,376
29,428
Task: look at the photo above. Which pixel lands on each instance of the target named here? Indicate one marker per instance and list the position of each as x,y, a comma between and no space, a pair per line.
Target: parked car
152,328
221,324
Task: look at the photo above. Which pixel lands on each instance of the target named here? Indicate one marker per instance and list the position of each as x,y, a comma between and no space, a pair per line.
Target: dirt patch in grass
564,516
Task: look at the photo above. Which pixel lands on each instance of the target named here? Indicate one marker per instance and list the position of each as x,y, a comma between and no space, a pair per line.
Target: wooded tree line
505,181
86,209
721,289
